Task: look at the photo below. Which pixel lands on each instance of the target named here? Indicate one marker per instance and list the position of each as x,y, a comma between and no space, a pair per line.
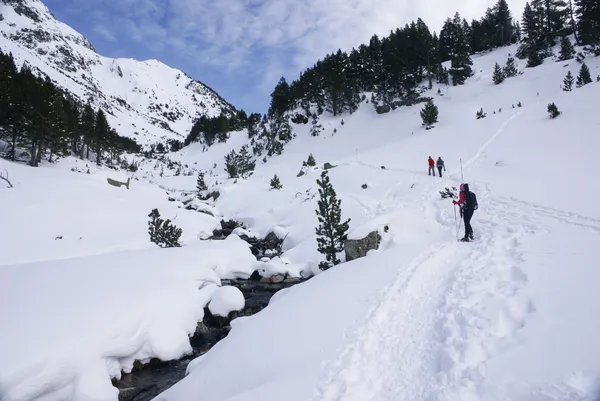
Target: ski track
452,308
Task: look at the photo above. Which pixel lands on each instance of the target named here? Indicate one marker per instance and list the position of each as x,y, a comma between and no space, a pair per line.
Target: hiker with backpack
431,166
468,204
440,165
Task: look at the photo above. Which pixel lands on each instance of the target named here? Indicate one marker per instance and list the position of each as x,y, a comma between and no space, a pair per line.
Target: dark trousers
440,170
467,215
432,170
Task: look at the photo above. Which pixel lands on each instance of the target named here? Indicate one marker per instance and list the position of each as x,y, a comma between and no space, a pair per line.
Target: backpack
471,201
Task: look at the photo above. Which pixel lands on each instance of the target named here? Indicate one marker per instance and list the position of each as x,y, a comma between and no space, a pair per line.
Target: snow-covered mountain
145,100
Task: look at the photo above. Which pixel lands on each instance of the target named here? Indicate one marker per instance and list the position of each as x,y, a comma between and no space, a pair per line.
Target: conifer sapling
162,232
275,182
498,76
310,162
553,110
584,76
567,51
200,184
568,82
429,114
510,69
331,231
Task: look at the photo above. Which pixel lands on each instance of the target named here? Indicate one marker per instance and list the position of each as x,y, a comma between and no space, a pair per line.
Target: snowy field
510,316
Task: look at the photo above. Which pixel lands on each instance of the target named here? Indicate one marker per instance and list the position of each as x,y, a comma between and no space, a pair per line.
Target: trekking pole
455,222
461,172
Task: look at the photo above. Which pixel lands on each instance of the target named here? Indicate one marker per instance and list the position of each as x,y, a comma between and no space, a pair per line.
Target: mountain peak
145,100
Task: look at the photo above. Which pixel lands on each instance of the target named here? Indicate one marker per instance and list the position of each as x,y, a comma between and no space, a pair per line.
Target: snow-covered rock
225,300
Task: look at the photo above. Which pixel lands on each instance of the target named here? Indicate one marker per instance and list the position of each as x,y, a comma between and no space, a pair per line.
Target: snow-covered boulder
225,300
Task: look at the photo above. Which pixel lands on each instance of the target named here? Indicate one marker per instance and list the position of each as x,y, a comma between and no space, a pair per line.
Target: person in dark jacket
440,165
431,166
468,204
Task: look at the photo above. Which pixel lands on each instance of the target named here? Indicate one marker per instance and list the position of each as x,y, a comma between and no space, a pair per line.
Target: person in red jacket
431,166
468,204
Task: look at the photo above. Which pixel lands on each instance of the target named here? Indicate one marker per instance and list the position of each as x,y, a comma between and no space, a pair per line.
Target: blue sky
241,48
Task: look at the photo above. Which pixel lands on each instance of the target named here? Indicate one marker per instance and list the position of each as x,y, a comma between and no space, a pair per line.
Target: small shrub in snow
553,110
598,78
364,186
568,82
498,76
331,231
449,193
162,232
275,183
567,51
239,164
584,76
519,104
310,162
429,114
481,114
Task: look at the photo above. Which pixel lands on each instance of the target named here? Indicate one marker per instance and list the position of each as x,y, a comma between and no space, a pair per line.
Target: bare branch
5,178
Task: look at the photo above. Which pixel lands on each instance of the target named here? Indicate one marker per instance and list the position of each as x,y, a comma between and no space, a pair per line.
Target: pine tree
429,114
568,82
504,27
87,128
498,76
584,76
481,114
588,16
275,182
331,231
281,99
510,69
100,134
232,164
310,162
239,165
315,128
162,232
553,110
200,184
567,51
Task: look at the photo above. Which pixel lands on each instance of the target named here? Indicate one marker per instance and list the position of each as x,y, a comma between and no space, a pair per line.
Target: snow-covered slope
510,316
146,100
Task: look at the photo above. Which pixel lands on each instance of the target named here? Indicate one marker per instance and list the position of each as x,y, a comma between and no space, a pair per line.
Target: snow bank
69,325
225,300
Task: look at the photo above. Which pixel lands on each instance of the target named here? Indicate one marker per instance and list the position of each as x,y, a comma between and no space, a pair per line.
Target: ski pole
461,172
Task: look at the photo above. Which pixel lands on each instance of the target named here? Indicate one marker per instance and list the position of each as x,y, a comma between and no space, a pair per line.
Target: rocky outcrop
383,109
358,248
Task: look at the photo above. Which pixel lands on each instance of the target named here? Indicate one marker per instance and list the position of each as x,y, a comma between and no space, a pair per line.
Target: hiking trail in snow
448,311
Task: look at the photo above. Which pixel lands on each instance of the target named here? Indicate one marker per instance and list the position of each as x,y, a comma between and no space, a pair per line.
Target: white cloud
271,37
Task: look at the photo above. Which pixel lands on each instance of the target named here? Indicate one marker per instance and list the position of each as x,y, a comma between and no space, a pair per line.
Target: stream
146,382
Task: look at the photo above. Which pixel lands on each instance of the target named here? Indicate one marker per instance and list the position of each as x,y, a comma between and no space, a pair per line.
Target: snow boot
464,239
